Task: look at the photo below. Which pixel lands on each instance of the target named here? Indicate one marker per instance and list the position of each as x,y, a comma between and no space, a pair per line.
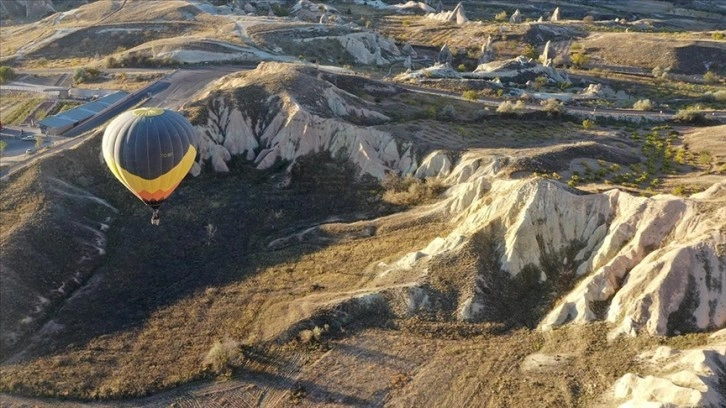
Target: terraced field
15,108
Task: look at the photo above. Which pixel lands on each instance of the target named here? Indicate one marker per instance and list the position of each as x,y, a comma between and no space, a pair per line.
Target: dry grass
148,322
651,50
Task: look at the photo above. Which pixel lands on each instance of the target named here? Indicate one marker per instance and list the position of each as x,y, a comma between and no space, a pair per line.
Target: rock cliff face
26,8
266,126
655,265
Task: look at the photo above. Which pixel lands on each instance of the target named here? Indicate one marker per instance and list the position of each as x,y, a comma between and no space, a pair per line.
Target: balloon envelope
149,150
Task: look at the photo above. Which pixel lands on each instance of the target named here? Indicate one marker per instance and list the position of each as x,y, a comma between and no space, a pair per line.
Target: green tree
501,16
3,145
588,123
6,74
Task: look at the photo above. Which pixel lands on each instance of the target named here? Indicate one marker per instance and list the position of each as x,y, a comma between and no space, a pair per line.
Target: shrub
579,59
661,73
711,78
222,355
447,112
719,96
552,105
679,190
505,107
501,16
704,158
530,51
81,75
280,11
461,67
643,105
716,35
7,74
3,145
690,115
588,123
588,19
470,95
410,190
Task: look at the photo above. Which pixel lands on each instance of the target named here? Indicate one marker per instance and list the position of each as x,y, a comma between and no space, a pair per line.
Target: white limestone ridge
677,378
413,6
515,70
659,263
457,15
291,129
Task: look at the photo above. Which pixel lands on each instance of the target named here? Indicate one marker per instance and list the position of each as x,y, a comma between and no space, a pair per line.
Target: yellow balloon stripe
159,188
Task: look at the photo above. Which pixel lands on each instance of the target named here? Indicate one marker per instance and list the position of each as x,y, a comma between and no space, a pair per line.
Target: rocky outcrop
411,6
678,378
456,16
518,70
547,55
408,50
265,127
539,33
555,15
516,17
600,91
30,9
658,264
487,52
364,47
445,56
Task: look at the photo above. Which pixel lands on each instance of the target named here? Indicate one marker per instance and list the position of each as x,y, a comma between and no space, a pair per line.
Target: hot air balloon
150,150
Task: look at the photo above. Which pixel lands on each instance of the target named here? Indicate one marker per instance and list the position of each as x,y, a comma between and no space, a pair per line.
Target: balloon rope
155,217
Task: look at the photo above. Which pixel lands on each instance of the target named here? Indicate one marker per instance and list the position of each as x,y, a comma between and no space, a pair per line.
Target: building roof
82,112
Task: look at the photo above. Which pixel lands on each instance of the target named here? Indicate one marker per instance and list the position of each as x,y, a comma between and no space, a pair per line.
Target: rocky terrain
374,219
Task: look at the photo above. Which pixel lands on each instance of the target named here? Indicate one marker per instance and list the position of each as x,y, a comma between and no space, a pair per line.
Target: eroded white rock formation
659,263
547,55
457,15
555,15
677,378
487,52
516,17
292,130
